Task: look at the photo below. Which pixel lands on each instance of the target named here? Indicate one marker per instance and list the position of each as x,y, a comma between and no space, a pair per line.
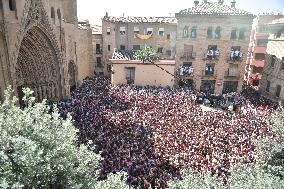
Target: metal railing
211,57
234,58
188,56
229,74
207,73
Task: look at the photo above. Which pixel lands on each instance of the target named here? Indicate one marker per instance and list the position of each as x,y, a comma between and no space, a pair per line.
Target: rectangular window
234,34
108,30
193,33
259,56
282,66
263,29
160,50
168,36
98,49
278,91
136,47
210,32
108,47
130,75
122,30
149,31
161,31
122,47
169,52
267,86
209,69
136,30
257,69
109,68
99,60
262,42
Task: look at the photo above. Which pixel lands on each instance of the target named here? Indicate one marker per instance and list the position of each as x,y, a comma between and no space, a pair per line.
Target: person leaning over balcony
232,53
217,53
236,54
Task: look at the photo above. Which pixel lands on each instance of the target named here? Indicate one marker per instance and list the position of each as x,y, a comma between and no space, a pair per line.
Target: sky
94,10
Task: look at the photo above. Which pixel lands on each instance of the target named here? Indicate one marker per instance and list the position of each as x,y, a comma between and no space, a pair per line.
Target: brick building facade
257,48
206,35
132,33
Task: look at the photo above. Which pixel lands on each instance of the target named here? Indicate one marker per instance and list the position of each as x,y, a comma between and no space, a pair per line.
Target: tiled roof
123,55
213,9
132,19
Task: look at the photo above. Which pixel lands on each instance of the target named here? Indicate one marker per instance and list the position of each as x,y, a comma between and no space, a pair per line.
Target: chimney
196,3
204,1
233,4
106,14
221,2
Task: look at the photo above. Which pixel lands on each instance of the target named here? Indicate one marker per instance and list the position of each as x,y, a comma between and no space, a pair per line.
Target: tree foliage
39,149
147,55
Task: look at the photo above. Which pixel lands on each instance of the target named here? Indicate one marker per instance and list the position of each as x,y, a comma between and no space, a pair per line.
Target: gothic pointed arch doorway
38,66
72,75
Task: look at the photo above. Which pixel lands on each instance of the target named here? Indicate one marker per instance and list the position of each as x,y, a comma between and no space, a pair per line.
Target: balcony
99,65
259,49
258,63
231,74
209,74
185,71
234,57
188,56
212,55
99,51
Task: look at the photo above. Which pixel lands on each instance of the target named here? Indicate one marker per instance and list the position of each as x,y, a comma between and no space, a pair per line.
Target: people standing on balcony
235,54
213,54
232,54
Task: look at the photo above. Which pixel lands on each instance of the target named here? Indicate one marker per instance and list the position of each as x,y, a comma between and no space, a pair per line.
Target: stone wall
49,17
145,73
273,74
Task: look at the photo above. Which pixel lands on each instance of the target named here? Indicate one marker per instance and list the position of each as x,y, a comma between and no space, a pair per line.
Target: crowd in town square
154,133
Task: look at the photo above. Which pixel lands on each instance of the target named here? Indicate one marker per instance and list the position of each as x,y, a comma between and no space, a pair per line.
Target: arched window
218,33
185,31
52,13
209,32
12,5
242,34
59,14
234,33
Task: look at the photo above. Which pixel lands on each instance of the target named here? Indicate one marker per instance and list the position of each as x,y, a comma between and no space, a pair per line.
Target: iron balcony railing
188,56
208,73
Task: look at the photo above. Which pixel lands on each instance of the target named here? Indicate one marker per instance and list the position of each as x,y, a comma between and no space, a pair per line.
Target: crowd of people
154,133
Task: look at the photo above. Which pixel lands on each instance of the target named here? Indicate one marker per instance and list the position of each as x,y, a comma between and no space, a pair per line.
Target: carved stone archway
38,66
72,76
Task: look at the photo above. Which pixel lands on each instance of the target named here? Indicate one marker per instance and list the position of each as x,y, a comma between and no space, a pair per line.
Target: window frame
149,31
108,30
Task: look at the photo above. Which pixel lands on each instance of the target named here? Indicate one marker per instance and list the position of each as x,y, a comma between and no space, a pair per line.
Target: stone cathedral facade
43,47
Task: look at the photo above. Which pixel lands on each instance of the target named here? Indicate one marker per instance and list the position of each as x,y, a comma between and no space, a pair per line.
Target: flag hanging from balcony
143,37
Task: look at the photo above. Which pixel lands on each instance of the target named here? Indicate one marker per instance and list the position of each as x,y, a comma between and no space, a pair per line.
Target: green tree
39,150
147,55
